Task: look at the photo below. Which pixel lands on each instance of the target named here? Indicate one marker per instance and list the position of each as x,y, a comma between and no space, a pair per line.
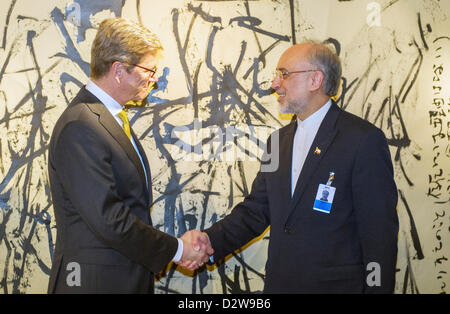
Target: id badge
324,198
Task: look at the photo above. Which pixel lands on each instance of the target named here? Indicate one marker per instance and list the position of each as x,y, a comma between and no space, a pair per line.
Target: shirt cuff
179,252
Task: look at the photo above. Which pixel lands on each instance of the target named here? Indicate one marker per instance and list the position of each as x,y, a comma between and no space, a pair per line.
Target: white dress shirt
304,136
114,108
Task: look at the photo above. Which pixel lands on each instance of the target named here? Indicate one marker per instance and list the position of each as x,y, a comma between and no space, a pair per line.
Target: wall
219,60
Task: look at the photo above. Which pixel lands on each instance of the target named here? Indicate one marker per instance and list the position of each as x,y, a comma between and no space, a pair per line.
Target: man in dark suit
346,244
100,177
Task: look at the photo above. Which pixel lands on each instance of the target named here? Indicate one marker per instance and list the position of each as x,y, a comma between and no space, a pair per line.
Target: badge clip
330,179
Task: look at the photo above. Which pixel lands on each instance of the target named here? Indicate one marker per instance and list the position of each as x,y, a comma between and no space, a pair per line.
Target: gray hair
324,57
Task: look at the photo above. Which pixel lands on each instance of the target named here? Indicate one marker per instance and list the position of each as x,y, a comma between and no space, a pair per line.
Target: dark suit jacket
311,251
102,205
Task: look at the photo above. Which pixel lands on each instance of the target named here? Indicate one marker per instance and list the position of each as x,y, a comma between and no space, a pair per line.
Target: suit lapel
281,180
110,124
146,165
286,147
324,137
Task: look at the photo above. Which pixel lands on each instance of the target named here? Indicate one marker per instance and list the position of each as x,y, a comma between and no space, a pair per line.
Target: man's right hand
196,249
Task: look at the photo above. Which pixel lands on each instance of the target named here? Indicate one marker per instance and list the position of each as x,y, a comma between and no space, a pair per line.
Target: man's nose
276,83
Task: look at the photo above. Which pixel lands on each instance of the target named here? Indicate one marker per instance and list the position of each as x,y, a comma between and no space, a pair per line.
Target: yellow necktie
125,123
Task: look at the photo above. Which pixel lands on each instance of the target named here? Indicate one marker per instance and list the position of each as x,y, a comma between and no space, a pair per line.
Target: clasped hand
196,249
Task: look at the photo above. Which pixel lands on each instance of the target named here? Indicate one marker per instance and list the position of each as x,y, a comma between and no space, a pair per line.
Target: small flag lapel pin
317,151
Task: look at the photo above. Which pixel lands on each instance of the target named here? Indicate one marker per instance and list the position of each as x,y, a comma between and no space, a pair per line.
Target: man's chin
138,101
141,98
284,109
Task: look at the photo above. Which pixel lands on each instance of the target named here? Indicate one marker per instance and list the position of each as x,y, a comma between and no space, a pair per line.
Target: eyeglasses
283,74
151,71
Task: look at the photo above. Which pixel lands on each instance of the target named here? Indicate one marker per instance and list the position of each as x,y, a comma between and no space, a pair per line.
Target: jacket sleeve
83,163
248,220
375,200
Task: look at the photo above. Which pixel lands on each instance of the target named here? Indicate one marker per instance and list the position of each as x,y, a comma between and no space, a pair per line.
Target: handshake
196,249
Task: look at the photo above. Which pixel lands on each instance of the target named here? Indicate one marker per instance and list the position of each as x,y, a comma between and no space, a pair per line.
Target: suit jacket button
287,230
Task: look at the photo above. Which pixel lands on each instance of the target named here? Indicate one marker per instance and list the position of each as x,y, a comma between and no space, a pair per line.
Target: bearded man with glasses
346,242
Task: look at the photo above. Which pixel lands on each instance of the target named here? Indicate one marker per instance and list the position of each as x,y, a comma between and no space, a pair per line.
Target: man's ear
317,80
117,69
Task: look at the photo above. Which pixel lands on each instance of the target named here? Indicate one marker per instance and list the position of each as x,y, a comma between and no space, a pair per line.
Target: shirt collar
110,103
316,118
